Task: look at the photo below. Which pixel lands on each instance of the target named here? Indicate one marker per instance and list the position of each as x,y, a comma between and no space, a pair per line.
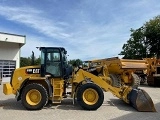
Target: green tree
28,61
144,41
135,47
37,61
152,34
75,62
25,61
32,60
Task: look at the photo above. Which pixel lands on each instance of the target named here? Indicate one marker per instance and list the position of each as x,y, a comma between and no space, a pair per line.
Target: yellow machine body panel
152,63
18,77
121,65
7,89
133,64
153,71
124,68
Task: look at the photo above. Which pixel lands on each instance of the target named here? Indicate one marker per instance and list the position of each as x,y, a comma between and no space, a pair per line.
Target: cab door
51,62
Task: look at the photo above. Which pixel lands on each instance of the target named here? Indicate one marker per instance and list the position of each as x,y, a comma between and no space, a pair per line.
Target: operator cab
53,61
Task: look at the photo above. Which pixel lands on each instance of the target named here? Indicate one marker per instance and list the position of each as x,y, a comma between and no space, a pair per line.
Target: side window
49,57
56,56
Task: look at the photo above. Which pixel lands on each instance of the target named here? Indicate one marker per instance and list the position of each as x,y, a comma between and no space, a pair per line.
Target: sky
87,29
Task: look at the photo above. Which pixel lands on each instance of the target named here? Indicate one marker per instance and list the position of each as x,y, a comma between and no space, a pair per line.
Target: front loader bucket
141,101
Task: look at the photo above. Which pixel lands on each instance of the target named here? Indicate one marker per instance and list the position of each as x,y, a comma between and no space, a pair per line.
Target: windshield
53,62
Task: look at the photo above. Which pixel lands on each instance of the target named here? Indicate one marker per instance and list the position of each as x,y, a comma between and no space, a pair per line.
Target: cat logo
33,71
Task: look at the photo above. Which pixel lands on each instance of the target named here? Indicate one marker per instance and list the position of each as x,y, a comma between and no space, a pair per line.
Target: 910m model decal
33,71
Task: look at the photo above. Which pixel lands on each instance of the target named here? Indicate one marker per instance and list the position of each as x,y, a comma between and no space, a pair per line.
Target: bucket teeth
141,101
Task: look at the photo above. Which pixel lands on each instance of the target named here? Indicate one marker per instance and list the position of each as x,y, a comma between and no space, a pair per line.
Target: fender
79,84
18,94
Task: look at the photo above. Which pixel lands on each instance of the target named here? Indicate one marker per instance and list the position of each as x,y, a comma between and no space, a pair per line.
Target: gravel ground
111,109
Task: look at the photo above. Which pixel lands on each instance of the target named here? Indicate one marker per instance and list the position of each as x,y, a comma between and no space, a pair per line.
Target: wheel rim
33,97
90,96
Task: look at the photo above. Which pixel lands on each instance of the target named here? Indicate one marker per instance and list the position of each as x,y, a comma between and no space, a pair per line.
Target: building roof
13,38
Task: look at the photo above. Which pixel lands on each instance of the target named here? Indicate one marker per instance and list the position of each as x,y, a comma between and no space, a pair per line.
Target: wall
10,51
10,45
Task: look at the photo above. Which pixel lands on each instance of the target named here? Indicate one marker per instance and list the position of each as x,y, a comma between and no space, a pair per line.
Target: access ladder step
56,101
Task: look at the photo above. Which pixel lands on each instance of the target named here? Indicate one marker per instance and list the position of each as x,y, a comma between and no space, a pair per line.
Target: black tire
116,80
37,92
136,81
142,80
92,89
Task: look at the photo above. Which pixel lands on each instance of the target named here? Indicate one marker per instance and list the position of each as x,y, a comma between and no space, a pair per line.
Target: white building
10,45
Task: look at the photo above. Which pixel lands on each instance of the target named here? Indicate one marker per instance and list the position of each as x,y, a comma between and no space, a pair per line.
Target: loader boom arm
104,83
138,98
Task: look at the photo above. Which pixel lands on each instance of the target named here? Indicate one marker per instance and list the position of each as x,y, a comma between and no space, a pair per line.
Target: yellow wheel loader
36,85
